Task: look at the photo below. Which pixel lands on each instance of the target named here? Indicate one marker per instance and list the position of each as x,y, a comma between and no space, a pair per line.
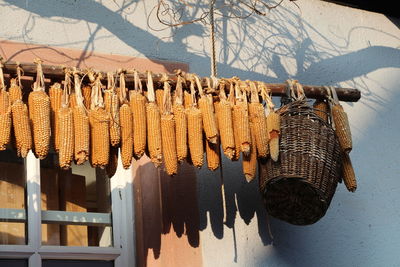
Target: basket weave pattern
300,186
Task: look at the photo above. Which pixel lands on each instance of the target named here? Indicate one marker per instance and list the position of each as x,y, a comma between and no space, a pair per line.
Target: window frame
122,252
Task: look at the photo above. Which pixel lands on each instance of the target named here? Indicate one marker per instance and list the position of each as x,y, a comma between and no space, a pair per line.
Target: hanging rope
212,32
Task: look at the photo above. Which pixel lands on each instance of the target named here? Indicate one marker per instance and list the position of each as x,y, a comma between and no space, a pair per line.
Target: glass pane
12,199
76,205
76,263
13,263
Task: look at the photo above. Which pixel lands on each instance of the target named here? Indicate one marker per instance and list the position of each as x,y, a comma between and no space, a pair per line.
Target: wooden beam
57,73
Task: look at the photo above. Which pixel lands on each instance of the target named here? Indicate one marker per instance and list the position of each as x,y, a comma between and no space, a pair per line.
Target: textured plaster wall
317,43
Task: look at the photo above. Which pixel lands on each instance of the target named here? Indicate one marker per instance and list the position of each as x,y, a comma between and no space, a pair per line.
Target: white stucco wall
317,43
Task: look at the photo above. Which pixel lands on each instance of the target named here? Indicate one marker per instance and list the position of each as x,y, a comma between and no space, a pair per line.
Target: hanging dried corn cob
231,101
168,131
20,118
206,107
249,162
321,109
274,127
138,106
187,99
15,91
153,117
159,99
39,111
241,120
5,113
225,123
126,120
180,121
99,120
112,165
55,94
342,127
195,130
111,104
86,93
259,123
349,176
81,125
65,122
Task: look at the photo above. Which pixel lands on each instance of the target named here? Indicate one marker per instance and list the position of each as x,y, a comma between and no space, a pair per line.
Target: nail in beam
277,89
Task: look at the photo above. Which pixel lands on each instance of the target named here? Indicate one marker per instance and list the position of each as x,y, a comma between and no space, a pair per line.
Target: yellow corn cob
5,119
39,110
111,104
159,99
342,128
241,125
138,107
154,142
274,126
86,93
249,162
22,128
72,100
213,155
260,131
66,131
169,144
349,176
195,136
81,135
181,131
321,109
208,117
99,120
187,99
55,94
112,165
225,125
15,91
126,120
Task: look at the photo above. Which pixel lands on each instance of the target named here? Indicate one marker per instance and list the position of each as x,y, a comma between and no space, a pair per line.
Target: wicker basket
299,187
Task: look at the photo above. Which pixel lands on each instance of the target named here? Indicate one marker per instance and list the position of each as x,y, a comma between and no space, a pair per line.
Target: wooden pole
278,89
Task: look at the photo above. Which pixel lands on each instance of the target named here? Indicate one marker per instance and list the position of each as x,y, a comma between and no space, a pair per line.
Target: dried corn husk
39,111
168,132
273,128
138,106
153,116
249,162
180,122
259,123
5,113
81,126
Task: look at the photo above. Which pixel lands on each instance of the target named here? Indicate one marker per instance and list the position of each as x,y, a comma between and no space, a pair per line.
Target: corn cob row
81,126
138,106
111,104
126,120
153,116
39,111
5,113
259,123
180,122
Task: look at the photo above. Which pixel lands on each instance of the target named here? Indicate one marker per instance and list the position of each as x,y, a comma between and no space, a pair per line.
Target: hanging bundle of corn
321,109
195,129
138,106
15,91
180,121
259,123
86,94
249,161
39,112
342,127
55,94
153,116
20,118
225,123
111,104
99,120
81,125
349,176
65,122
231,101
241,120
168,132
206,107
126,120
273,126
5,113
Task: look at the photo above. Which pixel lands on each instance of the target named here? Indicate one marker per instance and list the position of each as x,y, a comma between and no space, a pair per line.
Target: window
53,217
